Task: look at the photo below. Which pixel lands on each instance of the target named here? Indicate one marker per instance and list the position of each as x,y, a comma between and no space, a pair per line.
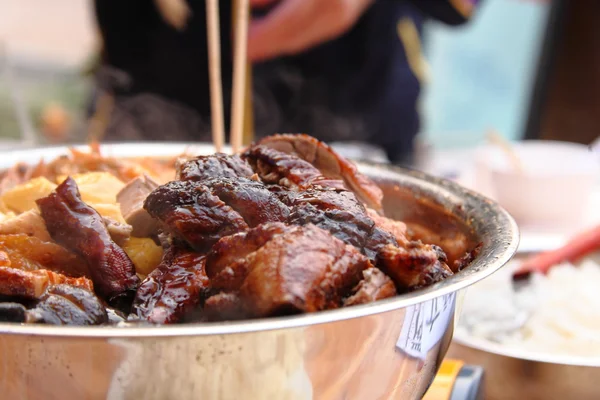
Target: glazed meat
59,304
224,306
175,288
214,166
251,199
275,167
303,269
202,213
226,263
396,228
68,305
334,210
329,163
290,190
79,228
189,211
374,286
287,227
414,266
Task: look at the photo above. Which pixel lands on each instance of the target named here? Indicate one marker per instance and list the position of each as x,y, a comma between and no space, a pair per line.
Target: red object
579,246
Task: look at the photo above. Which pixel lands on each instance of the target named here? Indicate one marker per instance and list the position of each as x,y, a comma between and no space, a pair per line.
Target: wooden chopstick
249,111
498,140
214,60
242,9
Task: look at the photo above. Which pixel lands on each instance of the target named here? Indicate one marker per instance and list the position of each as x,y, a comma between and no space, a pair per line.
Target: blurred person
339,70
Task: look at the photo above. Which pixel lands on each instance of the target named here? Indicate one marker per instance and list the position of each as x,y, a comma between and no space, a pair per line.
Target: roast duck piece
286,227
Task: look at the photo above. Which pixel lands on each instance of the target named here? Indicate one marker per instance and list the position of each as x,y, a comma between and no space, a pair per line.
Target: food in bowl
556,314
286,227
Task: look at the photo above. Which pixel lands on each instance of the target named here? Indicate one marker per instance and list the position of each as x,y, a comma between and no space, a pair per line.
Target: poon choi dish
286,227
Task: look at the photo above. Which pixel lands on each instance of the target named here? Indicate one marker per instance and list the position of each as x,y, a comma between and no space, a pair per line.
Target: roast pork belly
200,213
374,286
189,211
331,165
297,269
275,167
413,266
213,166
68,305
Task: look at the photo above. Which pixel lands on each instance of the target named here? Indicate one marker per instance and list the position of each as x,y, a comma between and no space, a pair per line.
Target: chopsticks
214,71
576,248
239,73
242,8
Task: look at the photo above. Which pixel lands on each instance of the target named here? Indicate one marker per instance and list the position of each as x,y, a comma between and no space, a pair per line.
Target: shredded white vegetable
555,314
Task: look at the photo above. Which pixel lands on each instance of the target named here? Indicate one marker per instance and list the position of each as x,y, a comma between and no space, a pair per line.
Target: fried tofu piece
97,187
22,198
145,254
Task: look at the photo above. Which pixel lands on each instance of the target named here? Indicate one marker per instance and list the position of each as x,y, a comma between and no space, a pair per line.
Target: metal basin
385,350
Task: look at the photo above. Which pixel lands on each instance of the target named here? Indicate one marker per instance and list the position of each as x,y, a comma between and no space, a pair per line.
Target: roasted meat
396,228
374,286
287,227
224,306
202,213
305,269
188,210
79,228
13,312
334,210
227,264
217,165
275,167
290,190
413,266
302,269
330,164
175,288
68,305
251,199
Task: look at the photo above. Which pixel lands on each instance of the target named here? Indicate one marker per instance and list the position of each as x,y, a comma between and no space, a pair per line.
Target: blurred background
527,69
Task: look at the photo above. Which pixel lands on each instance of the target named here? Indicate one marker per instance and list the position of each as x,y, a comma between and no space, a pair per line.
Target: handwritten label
425,324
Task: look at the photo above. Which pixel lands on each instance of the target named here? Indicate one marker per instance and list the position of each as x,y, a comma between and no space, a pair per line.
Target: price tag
425,324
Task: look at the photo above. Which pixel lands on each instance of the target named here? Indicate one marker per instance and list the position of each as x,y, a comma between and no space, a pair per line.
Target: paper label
425,324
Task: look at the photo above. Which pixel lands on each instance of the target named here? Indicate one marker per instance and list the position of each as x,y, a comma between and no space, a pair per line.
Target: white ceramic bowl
555,186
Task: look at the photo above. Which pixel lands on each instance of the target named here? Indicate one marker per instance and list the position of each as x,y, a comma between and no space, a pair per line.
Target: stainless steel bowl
386,350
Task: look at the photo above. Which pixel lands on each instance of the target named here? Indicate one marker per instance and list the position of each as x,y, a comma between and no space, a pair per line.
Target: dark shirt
359,87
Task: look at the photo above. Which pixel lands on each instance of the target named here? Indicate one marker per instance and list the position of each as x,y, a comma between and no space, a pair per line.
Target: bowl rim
482,153
504,246
498,349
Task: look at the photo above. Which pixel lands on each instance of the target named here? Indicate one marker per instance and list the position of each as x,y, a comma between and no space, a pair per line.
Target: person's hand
293,26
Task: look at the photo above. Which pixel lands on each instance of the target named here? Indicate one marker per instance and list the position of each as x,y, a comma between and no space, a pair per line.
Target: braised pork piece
286,227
